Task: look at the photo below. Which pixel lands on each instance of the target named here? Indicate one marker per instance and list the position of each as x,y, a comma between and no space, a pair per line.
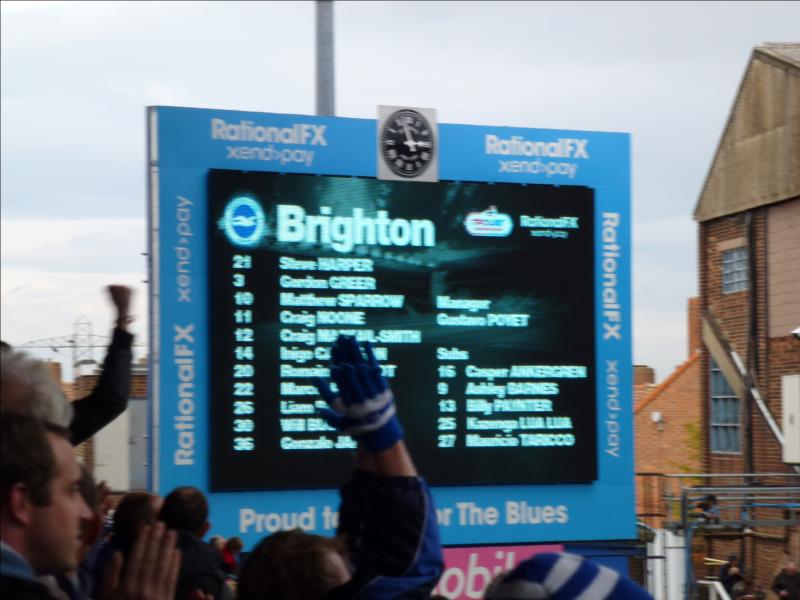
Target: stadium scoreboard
486,339
495,296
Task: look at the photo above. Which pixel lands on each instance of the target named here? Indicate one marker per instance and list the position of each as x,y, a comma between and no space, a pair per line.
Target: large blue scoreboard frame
184,143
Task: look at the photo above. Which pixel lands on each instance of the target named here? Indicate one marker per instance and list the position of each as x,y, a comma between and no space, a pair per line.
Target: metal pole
752,343
326,105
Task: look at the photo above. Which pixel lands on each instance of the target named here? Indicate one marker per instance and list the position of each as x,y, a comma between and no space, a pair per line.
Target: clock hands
412,145
411,142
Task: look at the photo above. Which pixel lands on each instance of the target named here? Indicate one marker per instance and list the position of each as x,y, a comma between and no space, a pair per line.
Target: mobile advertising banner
493,283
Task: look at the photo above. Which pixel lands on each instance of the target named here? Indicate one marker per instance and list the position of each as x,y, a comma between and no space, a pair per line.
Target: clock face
407,143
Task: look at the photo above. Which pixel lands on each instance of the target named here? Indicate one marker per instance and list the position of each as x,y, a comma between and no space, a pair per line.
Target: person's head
186,509
134,511
563,576
42,507
27,386
217,541
711,499
293,565
791,567
733,559
234,545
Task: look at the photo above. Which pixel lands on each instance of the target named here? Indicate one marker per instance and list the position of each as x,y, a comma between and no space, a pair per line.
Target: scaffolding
724,506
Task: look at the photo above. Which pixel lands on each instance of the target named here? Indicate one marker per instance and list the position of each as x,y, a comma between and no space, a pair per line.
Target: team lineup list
513,405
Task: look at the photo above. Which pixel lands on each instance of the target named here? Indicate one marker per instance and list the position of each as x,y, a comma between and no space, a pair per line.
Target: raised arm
109,398
387,516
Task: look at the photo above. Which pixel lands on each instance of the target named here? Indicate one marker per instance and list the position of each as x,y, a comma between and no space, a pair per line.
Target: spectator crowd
59,542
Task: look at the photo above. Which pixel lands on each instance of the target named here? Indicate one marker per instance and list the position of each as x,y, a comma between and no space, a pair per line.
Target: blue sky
75,78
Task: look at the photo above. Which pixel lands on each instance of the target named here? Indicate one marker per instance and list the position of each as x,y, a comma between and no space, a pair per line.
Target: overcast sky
77,76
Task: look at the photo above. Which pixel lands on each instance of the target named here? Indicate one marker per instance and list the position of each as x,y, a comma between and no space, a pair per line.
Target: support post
326,104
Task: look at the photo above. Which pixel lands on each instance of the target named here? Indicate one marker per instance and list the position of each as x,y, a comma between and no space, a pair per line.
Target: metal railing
716,590
663,497
719,505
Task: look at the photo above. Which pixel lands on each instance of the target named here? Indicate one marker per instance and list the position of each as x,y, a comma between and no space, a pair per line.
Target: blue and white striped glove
364,408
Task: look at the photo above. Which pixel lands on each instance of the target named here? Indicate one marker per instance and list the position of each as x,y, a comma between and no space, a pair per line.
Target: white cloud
678,230
55,271
46,304
76,77
11,7
74,245
660,338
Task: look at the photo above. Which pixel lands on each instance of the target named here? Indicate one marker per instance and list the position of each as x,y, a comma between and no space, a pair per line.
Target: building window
724,414
734,270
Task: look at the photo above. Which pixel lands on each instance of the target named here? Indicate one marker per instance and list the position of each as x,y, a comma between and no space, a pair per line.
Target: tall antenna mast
326,98
82,351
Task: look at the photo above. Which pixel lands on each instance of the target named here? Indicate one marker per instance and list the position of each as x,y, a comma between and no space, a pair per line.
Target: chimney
55,370
643,375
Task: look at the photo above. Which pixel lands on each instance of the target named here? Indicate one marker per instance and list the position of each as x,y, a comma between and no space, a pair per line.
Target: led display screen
477,298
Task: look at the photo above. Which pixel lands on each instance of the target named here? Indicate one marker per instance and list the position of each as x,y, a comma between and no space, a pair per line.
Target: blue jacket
389,526
17,577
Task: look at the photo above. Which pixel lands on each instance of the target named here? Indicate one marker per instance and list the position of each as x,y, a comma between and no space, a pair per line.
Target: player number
447,423
442,388
243,334
243,407
243,388
244,353
447,406
242,261
243,425
447,371
238,280
243,316
243,298
241,371
243,444
447,441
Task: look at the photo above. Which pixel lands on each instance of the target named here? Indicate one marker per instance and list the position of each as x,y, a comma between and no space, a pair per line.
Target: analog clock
407,143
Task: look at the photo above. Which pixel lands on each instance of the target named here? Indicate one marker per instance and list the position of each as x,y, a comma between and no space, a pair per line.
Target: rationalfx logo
519,146
307,134
244,222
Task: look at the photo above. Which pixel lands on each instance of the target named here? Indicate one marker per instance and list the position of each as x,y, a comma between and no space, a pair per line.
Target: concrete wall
111,454
120,449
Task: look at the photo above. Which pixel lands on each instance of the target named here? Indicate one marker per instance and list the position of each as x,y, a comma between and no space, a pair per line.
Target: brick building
667,420
748,217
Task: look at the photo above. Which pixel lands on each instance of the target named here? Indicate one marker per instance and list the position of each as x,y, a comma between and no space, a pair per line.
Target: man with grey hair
27,386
